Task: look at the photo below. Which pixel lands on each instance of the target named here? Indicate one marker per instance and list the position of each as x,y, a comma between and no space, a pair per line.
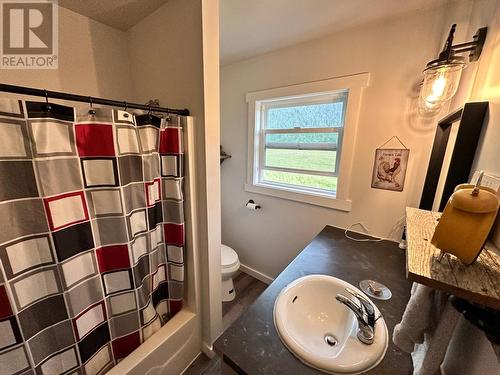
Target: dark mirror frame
471,118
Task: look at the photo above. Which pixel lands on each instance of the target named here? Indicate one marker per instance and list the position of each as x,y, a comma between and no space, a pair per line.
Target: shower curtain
91,234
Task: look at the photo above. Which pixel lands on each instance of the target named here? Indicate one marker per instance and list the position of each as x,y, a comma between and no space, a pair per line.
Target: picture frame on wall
389,168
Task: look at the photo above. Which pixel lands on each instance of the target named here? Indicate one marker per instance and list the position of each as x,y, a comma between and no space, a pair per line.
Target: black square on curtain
73,240
155,215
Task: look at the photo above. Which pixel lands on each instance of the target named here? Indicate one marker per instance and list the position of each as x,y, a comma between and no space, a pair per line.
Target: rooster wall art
389,169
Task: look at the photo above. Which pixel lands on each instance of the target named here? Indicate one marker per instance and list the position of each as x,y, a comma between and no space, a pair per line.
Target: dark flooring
204,365
247,290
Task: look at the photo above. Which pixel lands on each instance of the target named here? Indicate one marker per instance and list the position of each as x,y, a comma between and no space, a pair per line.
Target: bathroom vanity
477,282
252,345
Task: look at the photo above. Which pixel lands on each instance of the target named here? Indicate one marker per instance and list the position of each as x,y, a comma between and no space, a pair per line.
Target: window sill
302,197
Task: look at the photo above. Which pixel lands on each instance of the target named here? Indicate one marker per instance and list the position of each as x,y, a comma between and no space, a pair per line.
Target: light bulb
440,84
437,90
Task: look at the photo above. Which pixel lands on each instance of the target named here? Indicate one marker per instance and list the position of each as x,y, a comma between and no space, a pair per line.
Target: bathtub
168,352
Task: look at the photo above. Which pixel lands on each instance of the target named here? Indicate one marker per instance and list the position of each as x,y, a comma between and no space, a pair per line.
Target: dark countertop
251,345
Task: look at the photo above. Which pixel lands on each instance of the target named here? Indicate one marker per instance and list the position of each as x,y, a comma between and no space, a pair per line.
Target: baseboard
258,275
205,350
208,350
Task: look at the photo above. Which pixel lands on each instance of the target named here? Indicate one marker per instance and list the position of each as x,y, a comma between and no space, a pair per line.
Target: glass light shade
440,84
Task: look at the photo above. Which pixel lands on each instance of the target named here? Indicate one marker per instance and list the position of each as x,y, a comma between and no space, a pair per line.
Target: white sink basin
306,312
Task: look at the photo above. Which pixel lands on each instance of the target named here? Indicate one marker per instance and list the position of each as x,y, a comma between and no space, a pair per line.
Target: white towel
425,329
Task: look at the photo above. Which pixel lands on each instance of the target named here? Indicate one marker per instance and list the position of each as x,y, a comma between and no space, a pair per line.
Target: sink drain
330,340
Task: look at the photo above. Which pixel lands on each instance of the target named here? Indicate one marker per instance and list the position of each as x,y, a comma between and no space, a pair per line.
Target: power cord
375,239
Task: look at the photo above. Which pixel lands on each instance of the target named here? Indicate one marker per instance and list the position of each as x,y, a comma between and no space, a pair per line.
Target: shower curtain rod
87,99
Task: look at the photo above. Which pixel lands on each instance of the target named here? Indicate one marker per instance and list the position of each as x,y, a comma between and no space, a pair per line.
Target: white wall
487,85
174,57
212,318
394,52
93,60
166,56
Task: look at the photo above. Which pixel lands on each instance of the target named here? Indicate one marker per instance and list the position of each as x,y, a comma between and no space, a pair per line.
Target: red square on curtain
94,140
175,307
111,258
66,209
125,345
174,234
89,319
169,141
5,309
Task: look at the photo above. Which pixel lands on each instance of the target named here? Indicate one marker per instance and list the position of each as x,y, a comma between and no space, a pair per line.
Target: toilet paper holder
252,205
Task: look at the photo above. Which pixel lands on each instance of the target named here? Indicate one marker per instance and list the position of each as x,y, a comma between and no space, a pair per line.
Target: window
297,140
300,141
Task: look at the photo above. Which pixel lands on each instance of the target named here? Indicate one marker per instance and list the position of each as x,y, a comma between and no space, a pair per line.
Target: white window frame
339,200
264,106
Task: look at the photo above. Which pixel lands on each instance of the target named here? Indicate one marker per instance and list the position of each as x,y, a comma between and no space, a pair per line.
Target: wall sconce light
442,76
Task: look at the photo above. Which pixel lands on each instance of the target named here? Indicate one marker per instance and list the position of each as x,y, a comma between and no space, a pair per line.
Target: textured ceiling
253,27
121,14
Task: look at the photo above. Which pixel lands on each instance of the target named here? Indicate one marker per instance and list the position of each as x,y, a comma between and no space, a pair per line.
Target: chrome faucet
360,308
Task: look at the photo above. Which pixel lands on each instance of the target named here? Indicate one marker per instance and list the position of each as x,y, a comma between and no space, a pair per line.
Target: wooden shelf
479,282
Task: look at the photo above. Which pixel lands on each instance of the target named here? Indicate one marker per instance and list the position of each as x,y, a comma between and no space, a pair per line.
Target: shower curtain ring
47,104
125,109
91,110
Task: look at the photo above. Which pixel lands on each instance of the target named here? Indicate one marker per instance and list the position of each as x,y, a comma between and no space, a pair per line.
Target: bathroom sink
321,331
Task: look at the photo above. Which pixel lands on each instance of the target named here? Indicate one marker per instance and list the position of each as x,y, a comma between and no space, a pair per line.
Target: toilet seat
228,257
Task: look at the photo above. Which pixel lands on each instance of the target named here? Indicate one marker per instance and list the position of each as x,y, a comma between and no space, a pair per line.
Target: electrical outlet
488,180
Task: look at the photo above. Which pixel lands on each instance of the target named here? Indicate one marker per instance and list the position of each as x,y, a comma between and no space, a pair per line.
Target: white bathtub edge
168,351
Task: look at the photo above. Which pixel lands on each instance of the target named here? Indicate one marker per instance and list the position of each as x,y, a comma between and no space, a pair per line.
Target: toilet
230,265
